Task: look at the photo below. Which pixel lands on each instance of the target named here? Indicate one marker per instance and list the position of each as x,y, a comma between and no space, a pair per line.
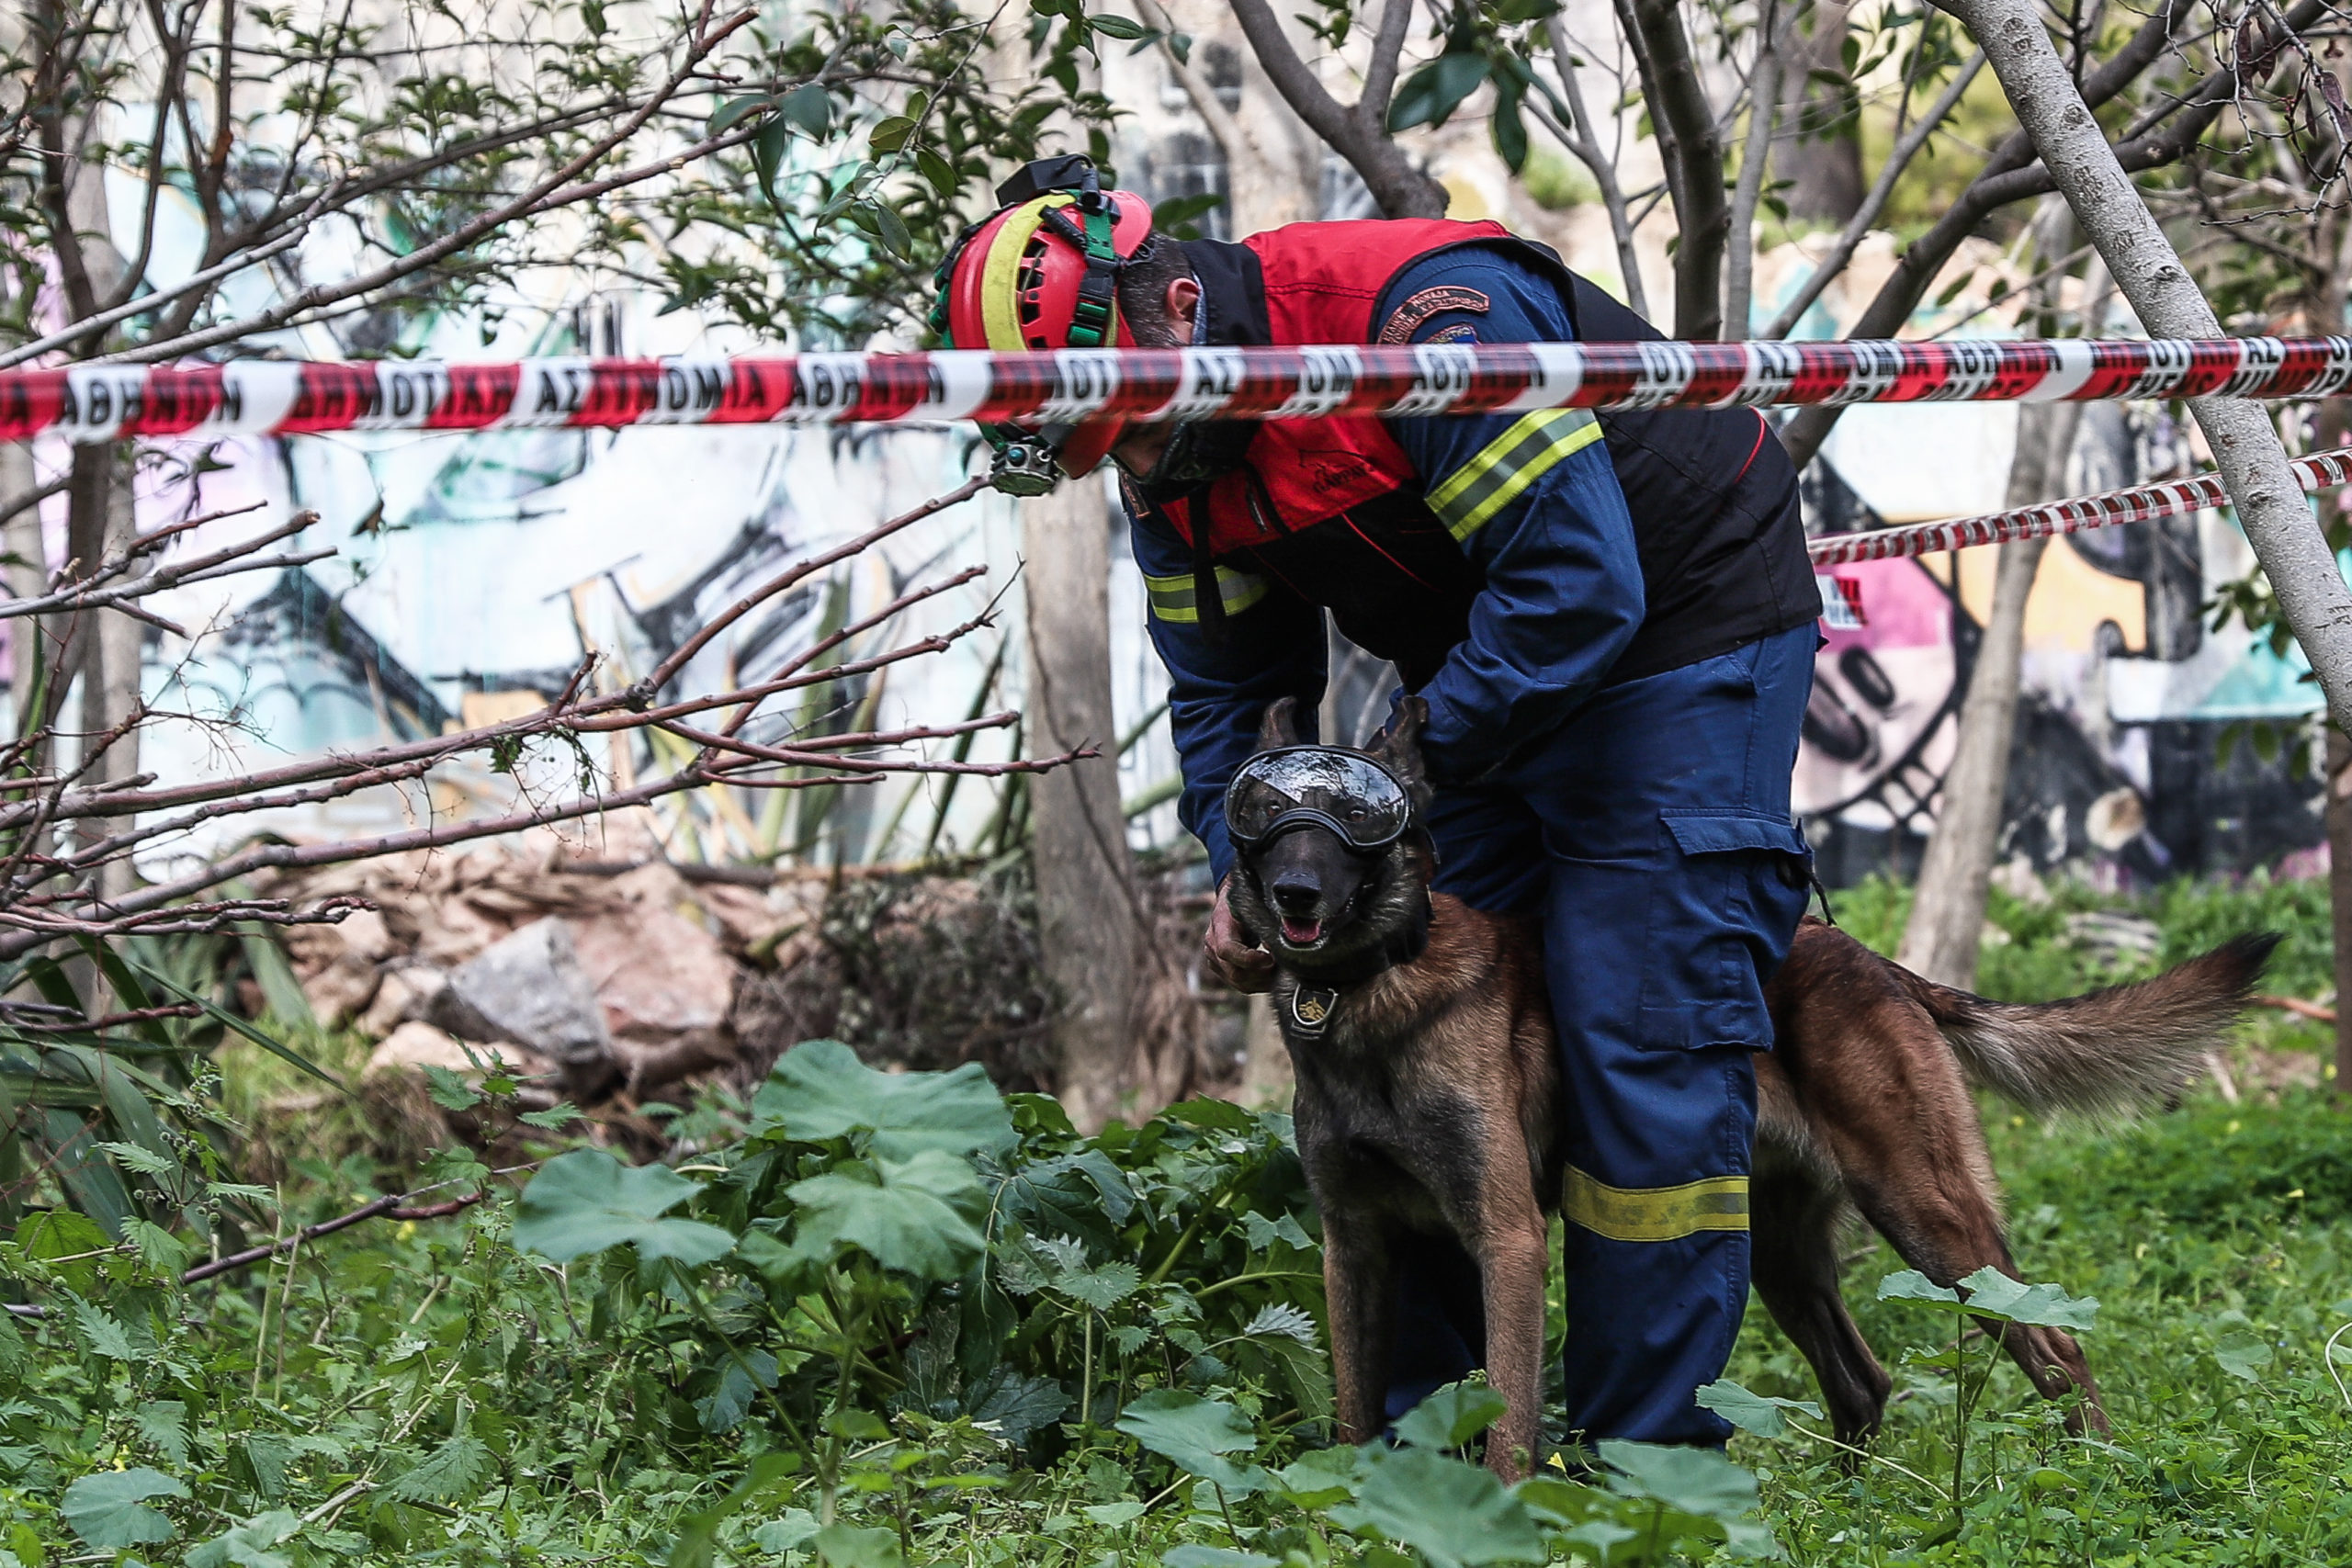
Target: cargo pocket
1725,904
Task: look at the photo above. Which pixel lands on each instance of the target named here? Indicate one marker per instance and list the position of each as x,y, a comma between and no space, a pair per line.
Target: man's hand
1232,956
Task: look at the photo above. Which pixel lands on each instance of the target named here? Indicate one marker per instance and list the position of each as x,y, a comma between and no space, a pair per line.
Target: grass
490,1408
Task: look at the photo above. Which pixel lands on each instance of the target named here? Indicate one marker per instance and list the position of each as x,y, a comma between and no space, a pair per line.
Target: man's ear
1280,726
1398,747
1184,294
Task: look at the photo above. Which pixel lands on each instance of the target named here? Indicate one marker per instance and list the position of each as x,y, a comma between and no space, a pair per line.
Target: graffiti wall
2120,770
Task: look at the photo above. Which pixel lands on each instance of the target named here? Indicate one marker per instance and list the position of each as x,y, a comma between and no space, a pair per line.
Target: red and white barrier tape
2321,471
101,402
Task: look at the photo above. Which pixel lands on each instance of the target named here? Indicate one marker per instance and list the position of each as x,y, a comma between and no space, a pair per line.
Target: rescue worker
1613,622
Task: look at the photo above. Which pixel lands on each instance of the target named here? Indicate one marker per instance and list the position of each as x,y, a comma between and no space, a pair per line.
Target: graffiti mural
2118,770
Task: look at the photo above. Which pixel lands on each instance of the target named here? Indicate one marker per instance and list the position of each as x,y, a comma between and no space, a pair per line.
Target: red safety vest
1322,281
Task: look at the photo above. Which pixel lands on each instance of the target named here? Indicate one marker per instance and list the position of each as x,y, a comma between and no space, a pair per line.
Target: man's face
1139,450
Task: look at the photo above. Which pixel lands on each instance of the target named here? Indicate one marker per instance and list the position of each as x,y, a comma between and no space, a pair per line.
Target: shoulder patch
1406,319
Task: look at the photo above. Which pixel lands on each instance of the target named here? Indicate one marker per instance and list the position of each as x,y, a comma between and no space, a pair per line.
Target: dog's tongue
1301,933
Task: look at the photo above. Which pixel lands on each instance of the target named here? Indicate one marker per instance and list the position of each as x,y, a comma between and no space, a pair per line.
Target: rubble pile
602,982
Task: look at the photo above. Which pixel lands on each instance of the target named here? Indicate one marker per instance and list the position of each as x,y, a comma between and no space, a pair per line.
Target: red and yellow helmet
1041,274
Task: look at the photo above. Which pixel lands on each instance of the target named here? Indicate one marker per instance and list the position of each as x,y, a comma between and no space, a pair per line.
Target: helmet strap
1094,322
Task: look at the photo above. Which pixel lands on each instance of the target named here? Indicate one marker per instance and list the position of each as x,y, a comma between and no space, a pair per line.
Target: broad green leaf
893,228
1118,27
1697,1480
1454,1514
732,109
109,1510
841,1546
1451,1416
1750,1412
2243,1353
1992,1294
912,1216
769,148
1196,1433
889,135
1111,1516
586,1201
810,108
822,1090
1016,1403
938,172
248,1545
1281,1320
1910,1285
1430,94
1192,1556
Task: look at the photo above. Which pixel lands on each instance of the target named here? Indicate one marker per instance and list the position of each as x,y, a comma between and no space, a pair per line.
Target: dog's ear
1280,726
1398,747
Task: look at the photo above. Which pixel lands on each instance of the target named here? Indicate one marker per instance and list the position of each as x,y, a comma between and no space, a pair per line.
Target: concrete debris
417,1044
632,981
530,988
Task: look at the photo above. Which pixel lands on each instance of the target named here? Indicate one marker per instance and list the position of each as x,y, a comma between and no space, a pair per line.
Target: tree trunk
28,574
2338,814
2313,596
1947,924
1948,914
1824,173
1086,900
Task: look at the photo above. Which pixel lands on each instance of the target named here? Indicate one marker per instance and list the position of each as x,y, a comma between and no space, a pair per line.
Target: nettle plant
900,1289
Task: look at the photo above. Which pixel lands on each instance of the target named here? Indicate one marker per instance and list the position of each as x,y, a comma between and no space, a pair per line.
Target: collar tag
1311,1008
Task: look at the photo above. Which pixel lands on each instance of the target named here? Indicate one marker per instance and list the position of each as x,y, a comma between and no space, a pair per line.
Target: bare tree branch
1857,227
1694,157
1402,190
1763,109
1578,136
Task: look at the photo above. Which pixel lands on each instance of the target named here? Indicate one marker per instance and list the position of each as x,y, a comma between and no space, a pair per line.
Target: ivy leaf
450,1473
1751,1412
108,1510
1430,94
1451,1416
585,1202
822,1090
907,1215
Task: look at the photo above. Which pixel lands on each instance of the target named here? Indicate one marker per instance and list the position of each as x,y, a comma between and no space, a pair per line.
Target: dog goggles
1346,792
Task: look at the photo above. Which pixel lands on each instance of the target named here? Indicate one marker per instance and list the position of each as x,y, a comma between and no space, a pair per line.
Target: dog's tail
2107,1051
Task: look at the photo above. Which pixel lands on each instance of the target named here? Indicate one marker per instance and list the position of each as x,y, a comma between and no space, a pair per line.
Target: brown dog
1428,1102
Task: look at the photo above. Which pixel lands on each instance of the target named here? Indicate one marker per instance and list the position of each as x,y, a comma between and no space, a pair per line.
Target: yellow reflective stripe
1173,599
1655,1213
1001,274
1509,464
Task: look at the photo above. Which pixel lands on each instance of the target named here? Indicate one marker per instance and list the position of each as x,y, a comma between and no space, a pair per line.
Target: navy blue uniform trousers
1652,836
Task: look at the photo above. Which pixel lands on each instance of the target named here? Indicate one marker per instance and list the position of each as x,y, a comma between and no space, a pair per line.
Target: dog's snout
1296,893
